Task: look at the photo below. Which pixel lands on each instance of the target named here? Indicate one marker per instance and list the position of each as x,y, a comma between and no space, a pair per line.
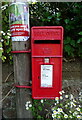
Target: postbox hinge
20,51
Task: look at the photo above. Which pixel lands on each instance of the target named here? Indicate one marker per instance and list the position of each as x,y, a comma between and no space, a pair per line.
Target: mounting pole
19,26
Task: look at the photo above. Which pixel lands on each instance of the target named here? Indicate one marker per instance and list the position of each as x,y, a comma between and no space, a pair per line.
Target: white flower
56,98
60,110
33,2
70,116
2,32
55,104
74,101
30,105
80,112
71,96
79,105
80,98
66,106
52,108
4,7
60,92
1,48
26,105
80,93
66,96
2,40
53,115
78,109
55,112
42,101
72,104
78,116
27,108
75,113
58,116
8,36
28,102
63,91
65,116
70,111
61,97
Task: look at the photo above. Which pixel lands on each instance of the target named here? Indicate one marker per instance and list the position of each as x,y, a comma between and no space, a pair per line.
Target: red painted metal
29,51
22,86
46,42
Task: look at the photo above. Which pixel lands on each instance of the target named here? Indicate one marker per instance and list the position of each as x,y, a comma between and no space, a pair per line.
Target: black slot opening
47,41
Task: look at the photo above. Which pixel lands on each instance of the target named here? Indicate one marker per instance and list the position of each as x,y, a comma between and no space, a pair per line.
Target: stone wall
9,102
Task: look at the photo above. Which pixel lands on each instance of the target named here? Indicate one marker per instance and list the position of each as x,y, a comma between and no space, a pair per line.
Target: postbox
47,46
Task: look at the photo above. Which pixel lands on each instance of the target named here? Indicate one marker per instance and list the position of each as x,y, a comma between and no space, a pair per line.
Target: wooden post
22,76
0,89
22,64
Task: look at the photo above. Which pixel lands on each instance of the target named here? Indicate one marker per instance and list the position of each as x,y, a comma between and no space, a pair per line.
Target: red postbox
47,45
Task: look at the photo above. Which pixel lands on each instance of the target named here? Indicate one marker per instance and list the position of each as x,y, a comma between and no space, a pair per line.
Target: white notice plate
46,75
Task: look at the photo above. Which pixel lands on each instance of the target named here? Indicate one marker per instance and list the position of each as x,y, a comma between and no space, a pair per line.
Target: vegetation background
66,14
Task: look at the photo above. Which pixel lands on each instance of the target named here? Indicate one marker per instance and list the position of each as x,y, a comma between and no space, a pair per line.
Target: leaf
66,21
40,108
49,17
39,117
67,27
1,53
58,14
6,37
80,33
11,57
68,48
79,40
67,40
72,42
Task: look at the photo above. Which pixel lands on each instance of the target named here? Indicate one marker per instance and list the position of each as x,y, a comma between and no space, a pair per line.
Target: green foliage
41,109
6,36
66,14
1,50
7,46
66,107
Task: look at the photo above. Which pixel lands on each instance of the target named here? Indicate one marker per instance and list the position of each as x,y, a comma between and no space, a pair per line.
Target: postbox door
46,78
